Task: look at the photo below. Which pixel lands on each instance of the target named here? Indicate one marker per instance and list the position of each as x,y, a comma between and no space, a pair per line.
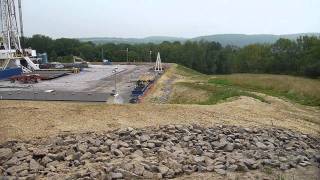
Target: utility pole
102,55
150,56
127,55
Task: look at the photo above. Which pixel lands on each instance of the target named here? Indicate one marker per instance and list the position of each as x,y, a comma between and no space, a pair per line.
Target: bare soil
310,173
24,120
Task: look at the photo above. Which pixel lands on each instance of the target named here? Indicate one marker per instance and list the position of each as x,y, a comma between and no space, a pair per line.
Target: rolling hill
243,40
151,39
224,39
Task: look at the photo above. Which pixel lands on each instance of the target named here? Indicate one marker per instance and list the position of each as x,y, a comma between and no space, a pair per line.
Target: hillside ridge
224,39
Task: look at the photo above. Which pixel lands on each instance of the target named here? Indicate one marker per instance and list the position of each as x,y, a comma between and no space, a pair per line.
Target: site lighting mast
115,91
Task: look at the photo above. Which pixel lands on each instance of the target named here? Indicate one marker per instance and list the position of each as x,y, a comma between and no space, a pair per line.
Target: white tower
158,67
11,54
9,26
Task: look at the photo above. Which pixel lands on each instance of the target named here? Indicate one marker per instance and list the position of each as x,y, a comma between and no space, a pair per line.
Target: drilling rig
11,53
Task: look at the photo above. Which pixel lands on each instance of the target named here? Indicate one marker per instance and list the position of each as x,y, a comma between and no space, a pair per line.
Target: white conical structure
158,67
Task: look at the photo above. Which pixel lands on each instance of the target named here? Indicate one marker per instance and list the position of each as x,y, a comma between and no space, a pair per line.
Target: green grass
220,87
224,82
224,93
267,170
184,71
280,177
300,90
215,93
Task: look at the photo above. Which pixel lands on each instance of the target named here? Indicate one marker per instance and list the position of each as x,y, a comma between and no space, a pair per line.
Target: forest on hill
239,40
294,57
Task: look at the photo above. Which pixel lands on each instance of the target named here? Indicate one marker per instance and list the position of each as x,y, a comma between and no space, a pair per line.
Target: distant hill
224,39
243,40
151,39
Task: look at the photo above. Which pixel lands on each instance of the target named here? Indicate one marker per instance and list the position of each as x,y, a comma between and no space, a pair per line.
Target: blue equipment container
7,73
44,58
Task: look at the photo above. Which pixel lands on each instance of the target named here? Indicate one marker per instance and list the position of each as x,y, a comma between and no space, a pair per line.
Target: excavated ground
258,140
23,120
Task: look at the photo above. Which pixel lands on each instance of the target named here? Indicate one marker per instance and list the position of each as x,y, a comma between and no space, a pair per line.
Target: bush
65,59
313,70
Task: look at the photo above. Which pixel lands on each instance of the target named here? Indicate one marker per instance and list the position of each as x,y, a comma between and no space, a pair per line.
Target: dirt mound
26,120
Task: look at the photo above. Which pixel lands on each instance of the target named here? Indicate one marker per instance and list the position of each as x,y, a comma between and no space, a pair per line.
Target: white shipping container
33,53
5,54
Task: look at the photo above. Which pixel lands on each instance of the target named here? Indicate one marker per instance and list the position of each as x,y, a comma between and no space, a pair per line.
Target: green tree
53,56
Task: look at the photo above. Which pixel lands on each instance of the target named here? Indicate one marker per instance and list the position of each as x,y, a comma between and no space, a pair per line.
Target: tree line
300,57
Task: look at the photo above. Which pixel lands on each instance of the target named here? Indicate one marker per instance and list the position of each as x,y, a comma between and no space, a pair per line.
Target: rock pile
155,153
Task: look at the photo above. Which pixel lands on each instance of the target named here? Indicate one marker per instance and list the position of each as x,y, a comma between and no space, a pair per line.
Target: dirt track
25,120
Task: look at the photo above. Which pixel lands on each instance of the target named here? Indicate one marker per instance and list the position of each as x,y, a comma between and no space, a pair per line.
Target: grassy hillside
301,90
196,88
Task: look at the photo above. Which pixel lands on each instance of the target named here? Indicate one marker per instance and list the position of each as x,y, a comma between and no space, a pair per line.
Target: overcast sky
181,18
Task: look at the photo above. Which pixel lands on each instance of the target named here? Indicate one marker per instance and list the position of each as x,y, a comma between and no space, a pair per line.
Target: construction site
125,119
96,83
26,75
